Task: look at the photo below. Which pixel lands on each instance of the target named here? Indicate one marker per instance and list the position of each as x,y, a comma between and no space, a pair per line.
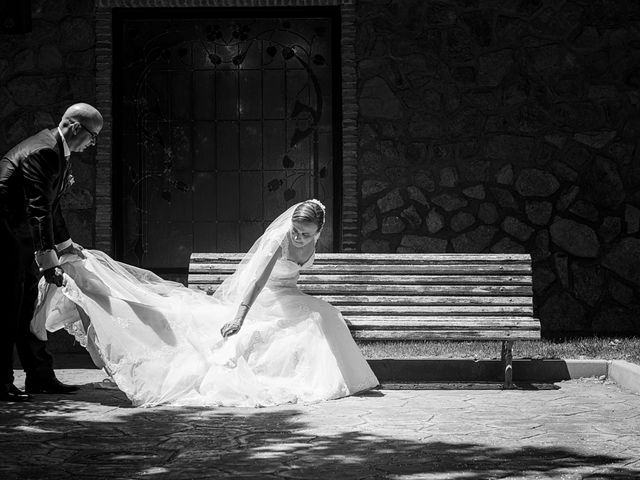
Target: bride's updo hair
311,211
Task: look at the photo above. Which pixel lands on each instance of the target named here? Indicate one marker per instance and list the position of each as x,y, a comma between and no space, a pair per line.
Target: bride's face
302,233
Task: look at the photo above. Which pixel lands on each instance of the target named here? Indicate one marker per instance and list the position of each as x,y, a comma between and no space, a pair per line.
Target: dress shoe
48,385
10,393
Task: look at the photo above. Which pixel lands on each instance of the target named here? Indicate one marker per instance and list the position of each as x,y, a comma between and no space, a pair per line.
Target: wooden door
222,121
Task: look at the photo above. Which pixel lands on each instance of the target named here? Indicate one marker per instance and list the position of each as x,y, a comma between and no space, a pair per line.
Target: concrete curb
425,370
469,370
625,374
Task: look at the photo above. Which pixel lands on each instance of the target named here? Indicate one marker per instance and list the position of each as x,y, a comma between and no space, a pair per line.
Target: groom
33,177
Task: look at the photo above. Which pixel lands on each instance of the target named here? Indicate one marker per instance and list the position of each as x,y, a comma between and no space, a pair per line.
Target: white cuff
61,246
46,259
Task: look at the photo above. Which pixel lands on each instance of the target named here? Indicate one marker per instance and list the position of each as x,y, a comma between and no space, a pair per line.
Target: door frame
345,208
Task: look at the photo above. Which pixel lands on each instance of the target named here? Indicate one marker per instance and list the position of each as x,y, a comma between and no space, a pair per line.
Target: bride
257,341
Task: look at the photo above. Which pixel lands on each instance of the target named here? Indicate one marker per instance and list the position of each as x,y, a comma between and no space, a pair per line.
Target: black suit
33,176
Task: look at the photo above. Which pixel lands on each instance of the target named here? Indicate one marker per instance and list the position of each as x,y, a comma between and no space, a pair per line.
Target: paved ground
581,429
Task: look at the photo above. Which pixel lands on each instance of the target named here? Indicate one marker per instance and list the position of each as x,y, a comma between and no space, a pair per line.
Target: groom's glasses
94,135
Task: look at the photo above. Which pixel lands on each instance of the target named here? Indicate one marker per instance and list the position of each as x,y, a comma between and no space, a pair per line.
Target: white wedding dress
161,341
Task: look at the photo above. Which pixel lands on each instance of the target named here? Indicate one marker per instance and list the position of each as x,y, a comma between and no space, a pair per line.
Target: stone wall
508,126
41,74
484,126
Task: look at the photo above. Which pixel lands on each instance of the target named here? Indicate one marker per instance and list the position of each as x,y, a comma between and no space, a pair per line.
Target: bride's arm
233,327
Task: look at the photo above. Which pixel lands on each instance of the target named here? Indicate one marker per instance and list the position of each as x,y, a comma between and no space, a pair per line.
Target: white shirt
67,153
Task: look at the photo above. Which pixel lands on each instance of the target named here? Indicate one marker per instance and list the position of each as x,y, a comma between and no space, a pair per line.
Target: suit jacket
33,176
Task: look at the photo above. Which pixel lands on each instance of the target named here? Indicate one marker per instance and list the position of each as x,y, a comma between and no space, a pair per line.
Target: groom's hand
54,275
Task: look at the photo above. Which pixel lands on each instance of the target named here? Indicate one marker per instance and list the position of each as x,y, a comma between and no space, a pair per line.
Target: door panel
224,121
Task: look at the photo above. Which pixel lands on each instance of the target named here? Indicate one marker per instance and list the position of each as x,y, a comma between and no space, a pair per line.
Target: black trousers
19,278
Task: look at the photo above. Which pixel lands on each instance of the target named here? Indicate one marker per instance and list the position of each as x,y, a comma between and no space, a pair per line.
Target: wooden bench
413,296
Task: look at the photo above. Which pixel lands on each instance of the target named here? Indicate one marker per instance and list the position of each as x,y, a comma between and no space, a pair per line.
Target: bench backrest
411,296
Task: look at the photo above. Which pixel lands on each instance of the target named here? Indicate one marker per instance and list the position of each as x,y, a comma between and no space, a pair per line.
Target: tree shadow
57,438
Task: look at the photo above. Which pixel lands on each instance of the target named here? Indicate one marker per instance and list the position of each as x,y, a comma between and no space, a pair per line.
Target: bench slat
422,324
383,269
451,310
471,290
393,279
396,320
423,300
443,335
391,258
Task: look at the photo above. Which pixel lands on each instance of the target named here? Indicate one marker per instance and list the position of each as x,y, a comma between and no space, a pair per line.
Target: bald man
33,177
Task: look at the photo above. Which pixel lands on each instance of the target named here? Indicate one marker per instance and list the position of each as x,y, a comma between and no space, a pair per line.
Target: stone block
476,192
562,313
575,238
420,244
538,213
505,175
475,241
416,195
507,245
620,292
563,172
567,197
372,163
369,226
504,198
475,170
461,221
448,177
517,228
488,213
492,67
610,229
603,184
542,278
585,210
532,182
588,282
392,224
412,217
416,152
509,148
24,62
595,140
49,58
375,246
425,181
76,34
370,188
624,260
449,201
377,100
390,201
541,250
614,320
465,122
38,91
561,264
632,219
434,221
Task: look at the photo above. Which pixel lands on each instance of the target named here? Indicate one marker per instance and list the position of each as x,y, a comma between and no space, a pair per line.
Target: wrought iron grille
223,123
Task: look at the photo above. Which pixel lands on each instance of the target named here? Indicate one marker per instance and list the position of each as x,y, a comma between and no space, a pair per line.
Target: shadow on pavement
57,438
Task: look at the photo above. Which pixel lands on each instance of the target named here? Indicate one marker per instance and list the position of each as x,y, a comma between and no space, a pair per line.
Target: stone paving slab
580,429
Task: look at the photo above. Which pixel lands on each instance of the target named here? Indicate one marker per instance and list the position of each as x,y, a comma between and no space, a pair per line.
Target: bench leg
507,363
